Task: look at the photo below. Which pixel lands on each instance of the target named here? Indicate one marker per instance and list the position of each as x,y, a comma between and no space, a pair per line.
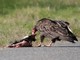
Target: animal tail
73,36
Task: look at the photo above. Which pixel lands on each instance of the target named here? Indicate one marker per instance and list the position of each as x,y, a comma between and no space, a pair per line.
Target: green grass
17,17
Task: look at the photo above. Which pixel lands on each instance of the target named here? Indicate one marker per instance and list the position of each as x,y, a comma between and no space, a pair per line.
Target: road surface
60,51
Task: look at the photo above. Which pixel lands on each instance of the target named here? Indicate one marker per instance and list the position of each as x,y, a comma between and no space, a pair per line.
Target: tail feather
73,37
70,39
71,34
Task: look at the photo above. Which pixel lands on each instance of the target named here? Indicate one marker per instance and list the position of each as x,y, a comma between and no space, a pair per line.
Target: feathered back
53,28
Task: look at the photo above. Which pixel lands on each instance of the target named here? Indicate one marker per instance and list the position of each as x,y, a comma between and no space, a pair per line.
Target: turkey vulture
55,30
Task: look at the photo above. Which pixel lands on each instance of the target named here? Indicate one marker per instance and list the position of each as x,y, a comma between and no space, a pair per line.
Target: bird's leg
54,40
51,44
41,42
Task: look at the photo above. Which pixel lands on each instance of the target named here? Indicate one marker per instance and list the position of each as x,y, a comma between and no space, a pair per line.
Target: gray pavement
60,51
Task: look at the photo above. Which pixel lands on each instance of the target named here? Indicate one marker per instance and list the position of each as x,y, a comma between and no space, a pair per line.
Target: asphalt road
60,51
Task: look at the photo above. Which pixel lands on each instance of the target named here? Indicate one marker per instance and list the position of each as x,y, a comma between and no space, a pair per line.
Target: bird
56,30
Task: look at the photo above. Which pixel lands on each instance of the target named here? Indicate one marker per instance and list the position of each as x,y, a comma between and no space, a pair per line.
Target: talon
39,46
48,45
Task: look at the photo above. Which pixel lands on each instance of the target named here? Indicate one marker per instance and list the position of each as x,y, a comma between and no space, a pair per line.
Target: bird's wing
62,28
49,26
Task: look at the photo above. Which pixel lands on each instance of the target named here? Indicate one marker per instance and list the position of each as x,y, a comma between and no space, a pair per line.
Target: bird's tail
73,36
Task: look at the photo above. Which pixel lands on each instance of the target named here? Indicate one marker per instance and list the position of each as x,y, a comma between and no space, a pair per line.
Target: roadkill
24,42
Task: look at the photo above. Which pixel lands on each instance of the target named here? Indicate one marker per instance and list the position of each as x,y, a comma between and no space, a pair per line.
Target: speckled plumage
56,30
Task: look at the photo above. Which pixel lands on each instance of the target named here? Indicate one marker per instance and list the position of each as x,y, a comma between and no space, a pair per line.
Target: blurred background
17,17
